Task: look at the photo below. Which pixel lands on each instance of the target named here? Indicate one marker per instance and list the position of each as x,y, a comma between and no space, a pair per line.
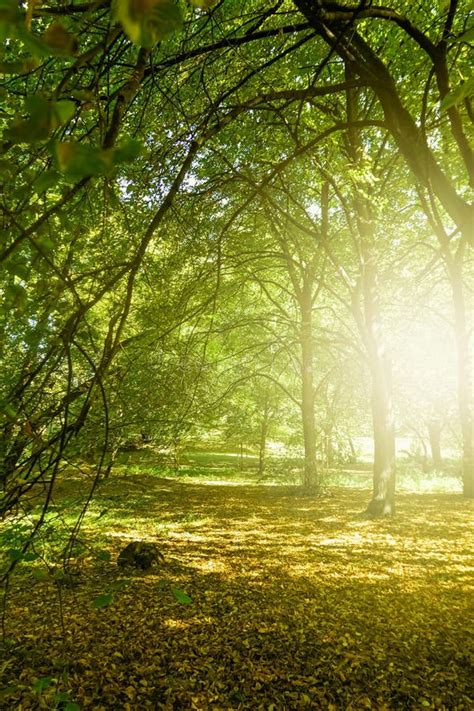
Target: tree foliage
173,172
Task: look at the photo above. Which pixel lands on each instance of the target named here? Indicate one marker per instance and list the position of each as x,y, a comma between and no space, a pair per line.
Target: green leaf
45,242
7,169
113,198
79,161
64,110
72,706
45,181
61,697
31,42
467,36
128,151
21,192
103,555
15,295
21,67
8,410
59,41
56,41
42,118
15,554
102,601
10,18
146,22
19,269
120,585
457,95
41,684
181,596
41,575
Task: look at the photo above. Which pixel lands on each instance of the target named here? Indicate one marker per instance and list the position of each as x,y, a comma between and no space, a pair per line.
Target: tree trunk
262,451
424,460
175,455
464,380
328,444
383,497
353,458
11,449
112,456
434,433
366,311
310,476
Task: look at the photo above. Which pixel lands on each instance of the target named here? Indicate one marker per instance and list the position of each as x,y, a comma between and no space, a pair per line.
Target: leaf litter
266,600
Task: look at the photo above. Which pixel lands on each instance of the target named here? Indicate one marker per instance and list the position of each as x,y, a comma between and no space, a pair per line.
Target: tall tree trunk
328,444
353,457
11,449
424,461
464,379
368,319
434,434
262,450
383,497
310,477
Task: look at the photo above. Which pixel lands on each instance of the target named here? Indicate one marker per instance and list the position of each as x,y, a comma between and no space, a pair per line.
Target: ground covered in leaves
267,600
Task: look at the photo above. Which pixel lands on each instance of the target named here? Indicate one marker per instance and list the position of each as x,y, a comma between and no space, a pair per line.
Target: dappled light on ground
296,603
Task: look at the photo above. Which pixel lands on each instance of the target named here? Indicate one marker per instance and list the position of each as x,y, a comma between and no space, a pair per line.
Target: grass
218,466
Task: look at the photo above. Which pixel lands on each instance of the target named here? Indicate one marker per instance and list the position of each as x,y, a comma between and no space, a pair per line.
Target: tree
84,206
334,23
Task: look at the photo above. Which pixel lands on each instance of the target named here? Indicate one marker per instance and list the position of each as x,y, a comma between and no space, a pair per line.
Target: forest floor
266,600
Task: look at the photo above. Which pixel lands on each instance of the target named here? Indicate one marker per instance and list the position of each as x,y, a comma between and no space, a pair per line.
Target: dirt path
296,603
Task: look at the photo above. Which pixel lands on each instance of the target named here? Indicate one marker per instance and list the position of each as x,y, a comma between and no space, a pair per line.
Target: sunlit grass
214,468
